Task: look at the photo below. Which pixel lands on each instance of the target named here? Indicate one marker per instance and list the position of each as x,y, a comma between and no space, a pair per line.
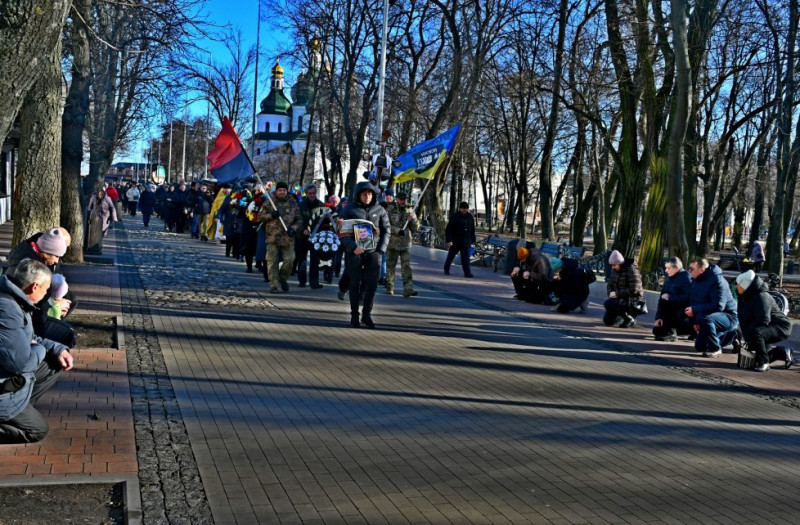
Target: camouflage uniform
279,242
400,247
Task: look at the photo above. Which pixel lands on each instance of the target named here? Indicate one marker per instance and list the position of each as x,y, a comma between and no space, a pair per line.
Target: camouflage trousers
275,254
405,270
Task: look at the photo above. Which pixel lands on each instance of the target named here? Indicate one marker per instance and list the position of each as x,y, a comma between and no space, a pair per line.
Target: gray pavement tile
454,412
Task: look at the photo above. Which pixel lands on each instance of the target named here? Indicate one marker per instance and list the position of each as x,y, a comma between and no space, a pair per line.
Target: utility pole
169,159
255,84
183,160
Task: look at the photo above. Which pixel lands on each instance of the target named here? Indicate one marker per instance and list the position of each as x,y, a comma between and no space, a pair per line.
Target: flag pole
425,188
266,193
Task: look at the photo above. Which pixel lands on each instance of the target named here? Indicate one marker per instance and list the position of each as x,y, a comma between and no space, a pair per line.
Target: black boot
354,320
366,318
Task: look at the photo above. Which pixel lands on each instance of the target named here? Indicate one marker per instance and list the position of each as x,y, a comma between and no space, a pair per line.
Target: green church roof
276,103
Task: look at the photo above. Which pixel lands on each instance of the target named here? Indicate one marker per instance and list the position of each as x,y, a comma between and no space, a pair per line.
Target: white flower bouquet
325,243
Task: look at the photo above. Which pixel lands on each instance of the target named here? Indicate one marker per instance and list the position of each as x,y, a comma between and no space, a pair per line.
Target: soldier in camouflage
280,241
401,213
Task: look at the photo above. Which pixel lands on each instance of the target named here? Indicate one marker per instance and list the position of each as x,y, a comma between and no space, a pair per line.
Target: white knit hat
744,279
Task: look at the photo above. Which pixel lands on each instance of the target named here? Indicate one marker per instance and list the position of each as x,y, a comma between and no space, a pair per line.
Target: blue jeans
717,330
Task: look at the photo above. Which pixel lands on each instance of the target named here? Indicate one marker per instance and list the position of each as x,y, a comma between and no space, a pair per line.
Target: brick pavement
89,409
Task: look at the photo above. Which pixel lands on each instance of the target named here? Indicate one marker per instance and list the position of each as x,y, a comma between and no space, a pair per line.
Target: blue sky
241,14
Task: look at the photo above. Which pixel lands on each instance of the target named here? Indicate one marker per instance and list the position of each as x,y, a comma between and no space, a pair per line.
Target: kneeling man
29,364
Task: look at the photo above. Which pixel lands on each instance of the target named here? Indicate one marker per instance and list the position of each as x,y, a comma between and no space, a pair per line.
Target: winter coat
539,267
627,282
758,253
372,212
290,213
460,230
678,287
397,218
306,209
133,194
18,354
202,203
710,293
147,202
757,309
571,286
105,209
226,216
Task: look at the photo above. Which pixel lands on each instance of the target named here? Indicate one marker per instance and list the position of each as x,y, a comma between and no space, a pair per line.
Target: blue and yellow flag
422,161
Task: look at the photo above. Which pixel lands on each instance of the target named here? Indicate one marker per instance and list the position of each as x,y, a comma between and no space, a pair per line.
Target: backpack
588,274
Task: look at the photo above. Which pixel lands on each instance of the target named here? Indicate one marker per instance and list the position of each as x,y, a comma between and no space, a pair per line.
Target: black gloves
275,214
289,231
401,233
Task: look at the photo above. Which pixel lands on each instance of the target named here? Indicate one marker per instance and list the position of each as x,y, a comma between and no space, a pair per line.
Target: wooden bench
572,252
494,247
550,249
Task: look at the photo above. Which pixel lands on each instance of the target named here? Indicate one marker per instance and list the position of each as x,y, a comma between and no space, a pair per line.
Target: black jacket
571,286
147,201
678,287
373,212
460,229
758,309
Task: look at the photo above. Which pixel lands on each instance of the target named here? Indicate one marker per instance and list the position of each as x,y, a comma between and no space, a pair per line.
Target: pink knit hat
53,242
616,258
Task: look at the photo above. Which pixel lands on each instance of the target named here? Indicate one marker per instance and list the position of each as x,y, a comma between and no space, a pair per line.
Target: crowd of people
284,232
697,303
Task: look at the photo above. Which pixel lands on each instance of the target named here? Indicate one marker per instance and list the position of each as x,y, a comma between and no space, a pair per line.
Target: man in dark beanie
280,217
460,236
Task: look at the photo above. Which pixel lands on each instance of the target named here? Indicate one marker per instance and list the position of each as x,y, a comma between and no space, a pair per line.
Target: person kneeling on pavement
531,276
570,285
712,308
29,364
625,292
761,321
671,319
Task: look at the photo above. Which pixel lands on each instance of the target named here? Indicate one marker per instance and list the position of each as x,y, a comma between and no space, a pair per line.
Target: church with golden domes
284,126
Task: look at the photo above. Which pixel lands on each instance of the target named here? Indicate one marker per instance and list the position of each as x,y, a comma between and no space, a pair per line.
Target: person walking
460,236
309,208
280,218
364,264
147,203
133,195
404,225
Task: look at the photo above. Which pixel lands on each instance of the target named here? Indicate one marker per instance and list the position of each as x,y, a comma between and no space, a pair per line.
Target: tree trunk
676,225
653,230
545,170
76,108
38,187
775,238
29,31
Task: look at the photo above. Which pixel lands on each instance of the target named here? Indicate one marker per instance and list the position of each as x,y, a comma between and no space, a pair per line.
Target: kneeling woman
570,285
624,288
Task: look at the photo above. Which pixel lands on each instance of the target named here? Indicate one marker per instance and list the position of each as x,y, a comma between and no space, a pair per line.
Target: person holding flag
280,216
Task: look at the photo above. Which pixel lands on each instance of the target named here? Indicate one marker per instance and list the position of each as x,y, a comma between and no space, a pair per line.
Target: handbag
637,308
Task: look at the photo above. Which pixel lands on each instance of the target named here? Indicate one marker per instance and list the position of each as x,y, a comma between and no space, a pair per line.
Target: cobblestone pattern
171,489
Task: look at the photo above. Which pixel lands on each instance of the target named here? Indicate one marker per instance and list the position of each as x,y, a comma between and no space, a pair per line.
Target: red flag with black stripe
228,160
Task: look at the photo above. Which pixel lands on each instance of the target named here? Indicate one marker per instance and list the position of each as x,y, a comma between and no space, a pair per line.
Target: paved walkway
464,407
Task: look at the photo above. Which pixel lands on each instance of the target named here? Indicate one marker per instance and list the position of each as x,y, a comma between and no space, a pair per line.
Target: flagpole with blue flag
425,159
